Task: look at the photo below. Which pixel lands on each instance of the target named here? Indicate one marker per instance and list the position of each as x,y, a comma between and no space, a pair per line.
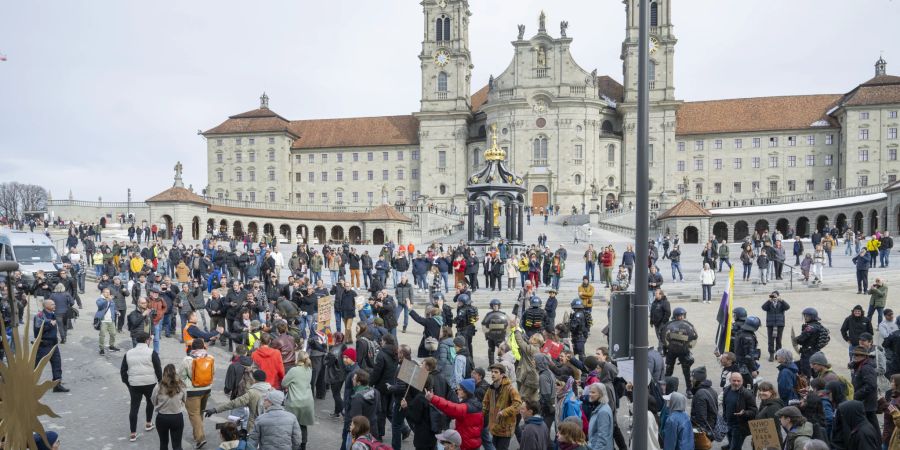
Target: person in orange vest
192,331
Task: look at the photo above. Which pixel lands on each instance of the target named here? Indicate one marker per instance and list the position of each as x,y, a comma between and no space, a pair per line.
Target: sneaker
200,444
149,426
102,352
334,416
132,437
113,348
60,388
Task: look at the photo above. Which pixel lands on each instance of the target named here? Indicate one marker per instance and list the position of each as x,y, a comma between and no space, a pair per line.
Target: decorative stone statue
491,83
542,23
384,194
562,28
594,78
178,168
521,32
834,185
541,57
595,189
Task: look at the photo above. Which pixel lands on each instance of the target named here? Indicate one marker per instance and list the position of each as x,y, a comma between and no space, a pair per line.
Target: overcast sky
98,96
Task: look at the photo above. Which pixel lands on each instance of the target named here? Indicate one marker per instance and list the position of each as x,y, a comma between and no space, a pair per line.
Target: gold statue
496,213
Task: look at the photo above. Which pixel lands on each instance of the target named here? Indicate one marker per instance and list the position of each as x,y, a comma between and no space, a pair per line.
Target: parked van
33,252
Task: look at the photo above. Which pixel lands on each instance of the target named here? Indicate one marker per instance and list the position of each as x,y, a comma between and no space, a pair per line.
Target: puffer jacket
269,360
878,296
787,376
469,419
501,404
277,429
366,402
251,399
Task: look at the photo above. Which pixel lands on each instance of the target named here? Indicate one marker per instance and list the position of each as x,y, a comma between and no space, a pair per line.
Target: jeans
589,270
487,441
316,276
307,324
396,276
98,269
848,248
736,437
872,309
170,427
405,311
157,329
774,334
334,277
138,392
763,273
444,276
883,256
398,424
707,292
828,252
724,261
676,266
554,281
747,270
168,324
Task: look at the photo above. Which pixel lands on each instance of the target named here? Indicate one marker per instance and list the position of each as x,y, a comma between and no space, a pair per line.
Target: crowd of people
540,376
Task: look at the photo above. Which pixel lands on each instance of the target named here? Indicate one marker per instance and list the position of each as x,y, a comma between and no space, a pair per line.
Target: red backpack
374,444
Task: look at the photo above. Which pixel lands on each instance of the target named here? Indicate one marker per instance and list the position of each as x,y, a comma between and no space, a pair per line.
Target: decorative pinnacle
495,153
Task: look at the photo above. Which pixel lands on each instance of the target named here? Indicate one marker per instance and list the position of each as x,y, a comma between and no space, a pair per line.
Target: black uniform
535,318
495,324
812,338
746,349
466,318
578,327
680,338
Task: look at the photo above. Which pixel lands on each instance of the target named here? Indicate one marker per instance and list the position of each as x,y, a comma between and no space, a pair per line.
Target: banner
725,316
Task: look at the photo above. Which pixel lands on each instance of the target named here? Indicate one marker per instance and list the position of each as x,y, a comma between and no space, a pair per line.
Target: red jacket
469,419
459,266
269,361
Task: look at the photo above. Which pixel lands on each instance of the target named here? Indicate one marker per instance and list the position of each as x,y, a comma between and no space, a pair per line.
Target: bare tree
17,198
9,200
33,198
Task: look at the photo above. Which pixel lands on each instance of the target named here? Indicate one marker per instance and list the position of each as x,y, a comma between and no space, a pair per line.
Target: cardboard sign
326,312
765,435
361,301
412,374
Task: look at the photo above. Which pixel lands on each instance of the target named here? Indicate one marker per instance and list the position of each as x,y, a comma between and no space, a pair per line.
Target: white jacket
140,361
707,276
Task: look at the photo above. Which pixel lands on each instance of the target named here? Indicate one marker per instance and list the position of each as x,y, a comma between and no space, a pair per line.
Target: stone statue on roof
542,23
521,32
562,28
595,189
178,181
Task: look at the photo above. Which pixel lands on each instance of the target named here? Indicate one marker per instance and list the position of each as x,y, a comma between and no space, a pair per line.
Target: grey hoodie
677,401
546,385
509,361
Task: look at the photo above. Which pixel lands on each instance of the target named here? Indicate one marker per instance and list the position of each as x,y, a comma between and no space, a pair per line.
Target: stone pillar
471,224
509,224
511,220
520,216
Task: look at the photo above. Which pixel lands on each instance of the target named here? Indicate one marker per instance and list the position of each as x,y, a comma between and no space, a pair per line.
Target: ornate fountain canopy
495,172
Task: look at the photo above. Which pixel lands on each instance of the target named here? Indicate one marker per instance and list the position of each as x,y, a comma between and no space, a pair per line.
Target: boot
60,388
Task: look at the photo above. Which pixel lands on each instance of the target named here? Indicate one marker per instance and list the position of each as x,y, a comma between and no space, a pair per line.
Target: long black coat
432,329
775,312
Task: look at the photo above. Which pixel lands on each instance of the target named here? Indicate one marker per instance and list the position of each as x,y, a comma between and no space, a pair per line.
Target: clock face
441,58
654,44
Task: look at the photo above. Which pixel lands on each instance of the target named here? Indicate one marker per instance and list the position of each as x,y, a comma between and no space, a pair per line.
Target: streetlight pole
128,213
642,199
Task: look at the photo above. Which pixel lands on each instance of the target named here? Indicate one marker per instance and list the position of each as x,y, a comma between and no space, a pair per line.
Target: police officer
680,338
494,325
746,347
813,337
21,292
578,327
535,317
466,318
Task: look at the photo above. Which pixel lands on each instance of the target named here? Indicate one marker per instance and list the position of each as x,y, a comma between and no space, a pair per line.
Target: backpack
571,406
244,383
848,386
824,337
372,444
372,350
202,370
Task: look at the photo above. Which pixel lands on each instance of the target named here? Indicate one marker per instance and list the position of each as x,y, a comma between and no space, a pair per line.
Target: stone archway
821,223
720,231
285,232
841,222
168,224
337,233
783,226
302,233
802,227
103,222
211,226
873,221
237,229
223,226
691,235
253,231
195,228
400,237
355,235
610,200
378,237
741,230
319,234
858,221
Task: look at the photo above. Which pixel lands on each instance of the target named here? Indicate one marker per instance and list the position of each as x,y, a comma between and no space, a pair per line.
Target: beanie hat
857,307
259,375
245,361
275,397
350,353
699,374
379,321
591,362
460,342
468,385
819,358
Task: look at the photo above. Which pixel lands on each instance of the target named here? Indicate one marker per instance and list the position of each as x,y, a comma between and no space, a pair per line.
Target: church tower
445,110
663,104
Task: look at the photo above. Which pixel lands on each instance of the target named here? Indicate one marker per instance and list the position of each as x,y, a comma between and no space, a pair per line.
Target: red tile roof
260,120
479,98
178,195
880,90
755,114
379,213
610,88
685,208
355,132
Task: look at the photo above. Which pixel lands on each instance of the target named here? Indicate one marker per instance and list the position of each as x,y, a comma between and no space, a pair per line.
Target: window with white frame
736,187
218,142
864,134
829,139
755,142
238,174
611,153
863,154
237,141
579,153
791,185
442,159
863,181
311,177
238,157
271,155
680,166
252,195
442,82
810,185
220,176
415,155
297,177
791,161
369,196
252,156
240,195
773,161
539,151
829,160
698,164
400,155
312,197
252,174
355,175
370,156
271,140
892,114
311,159
810,160
271,174
681,146
773,141
414,174
384,156
339,175
738,163
401,174
385,175
717,164
754,162
370,175
698,145
792,141
251,141
863,115
773,186
355,197
272,196
325,198
892,154
355,157
717,144
340,157
324,158
811,140
892,133
738,143
340,196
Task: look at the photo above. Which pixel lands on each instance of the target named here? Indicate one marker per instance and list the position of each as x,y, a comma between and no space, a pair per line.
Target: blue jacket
862,262
42,320
443,264
678,434
600,430
787,379
382,267
104,304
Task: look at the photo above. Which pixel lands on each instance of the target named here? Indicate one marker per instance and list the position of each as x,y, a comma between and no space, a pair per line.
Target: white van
33,252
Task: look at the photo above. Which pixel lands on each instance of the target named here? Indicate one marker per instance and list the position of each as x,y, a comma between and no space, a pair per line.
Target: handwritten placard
326,312
765,435
412,374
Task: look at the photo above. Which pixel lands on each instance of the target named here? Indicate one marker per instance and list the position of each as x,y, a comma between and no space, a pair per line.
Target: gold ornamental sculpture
21,389
495,153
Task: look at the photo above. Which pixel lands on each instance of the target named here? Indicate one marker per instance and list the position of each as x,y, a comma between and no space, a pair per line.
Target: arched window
443,189
654,14
540,150
577,179
606,127
611,153
442,82
442,28
651,73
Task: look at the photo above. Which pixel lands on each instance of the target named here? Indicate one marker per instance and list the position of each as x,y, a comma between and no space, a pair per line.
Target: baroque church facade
568,132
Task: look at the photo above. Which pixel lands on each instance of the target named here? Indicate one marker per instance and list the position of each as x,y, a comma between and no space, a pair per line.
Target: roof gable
882,89
685,208
177,194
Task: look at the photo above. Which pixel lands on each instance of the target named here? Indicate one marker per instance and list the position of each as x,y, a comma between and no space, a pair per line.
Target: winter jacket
141,366
798,437
446,358
432,328
878,296
469,419
385,371
365,401
299,399
252,399
704,407
865,384
403,292
660,312
852,430
600,430
418,415
707,277
854,326
535,435
775,312
862,262
677,431
277,429
501,404
269,360
787,380
527,373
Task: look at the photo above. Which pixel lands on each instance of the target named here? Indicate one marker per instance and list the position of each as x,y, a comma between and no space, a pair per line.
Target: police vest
496,325
534,318
679,334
